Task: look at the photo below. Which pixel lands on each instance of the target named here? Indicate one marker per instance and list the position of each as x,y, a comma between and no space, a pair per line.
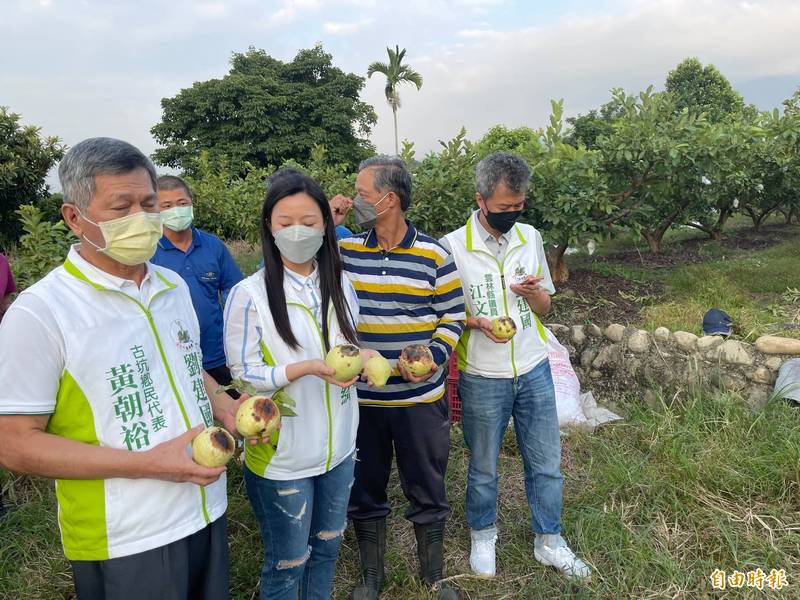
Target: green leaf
286,411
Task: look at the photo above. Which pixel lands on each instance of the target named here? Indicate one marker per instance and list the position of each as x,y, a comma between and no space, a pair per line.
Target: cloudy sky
81,68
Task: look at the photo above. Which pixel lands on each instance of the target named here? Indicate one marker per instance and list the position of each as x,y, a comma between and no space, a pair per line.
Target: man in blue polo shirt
204,262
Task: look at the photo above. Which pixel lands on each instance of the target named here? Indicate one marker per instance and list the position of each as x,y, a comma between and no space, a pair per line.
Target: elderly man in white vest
504,370
104,390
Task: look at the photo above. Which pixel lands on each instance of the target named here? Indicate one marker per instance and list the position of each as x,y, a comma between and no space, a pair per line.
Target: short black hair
173,182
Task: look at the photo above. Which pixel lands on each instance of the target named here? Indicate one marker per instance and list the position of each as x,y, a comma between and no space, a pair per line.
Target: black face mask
502,221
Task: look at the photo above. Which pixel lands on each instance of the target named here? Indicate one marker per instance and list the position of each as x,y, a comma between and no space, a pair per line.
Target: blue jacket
210,272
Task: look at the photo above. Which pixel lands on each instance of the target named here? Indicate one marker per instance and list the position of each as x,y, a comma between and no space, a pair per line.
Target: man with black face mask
504,367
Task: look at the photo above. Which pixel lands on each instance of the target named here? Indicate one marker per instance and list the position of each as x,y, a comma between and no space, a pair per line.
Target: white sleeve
547,282
32,354
243,339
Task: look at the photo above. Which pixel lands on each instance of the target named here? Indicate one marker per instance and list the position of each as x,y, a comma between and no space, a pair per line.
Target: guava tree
656,159
443,186
725,179
26,156
776,166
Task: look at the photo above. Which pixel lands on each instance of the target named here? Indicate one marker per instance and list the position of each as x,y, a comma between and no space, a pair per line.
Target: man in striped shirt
408,293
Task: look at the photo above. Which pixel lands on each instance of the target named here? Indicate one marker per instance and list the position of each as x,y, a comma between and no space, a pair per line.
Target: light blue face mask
178,218
299,243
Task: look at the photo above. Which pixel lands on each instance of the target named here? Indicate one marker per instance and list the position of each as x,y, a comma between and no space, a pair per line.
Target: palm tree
396,73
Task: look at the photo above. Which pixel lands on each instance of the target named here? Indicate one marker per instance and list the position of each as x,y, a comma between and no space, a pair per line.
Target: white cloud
210,10
478,33
291,9
510,78
80,72
345,28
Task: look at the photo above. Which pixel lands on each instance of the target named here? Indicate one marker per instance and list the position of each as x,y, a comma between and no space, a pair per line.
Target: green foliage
225,203
25,159
655,160
587,129
524,141
702,89
42,247
265,112
444,187
229,204
51,206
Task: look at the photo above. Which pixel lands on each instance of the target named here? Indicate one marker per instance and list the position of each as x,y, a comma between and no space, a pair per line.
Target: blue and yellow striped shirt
408,295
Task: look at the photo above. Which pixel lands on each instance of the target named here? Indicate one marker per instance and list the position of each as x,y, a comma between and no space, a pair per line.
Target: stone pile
620,359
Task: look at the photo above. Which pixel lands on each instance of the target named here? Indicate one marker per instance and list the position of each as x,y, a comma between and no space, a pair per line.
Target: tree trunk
396,141
709,230
653,238
559,271
716,230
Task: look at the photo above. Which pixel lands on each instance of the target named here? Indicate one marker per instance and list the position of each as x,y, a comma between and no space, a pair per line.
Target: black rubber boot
430,549
371,536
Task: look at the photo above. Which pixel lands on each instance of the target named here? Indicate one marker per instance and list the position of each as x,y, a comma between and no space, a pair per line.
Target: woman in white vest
279,325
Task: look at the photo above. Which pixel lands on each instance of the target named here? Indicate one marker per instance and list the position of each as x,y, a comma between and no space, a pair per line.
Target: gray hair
173,182
391,175
501,167
98,156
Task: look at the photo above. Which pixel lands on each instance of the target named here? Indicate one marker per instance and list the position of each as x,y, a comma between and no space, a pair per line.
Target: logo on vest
519,275
180,334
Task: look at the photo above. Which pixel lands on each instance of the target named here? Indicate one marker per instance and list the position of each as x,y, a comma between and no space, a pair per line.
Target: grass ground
654,504
754,277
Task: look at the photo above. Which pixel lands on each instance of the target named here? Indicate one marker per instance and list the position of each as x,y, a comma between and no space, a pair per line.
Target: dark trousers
193,568
222,375
419,435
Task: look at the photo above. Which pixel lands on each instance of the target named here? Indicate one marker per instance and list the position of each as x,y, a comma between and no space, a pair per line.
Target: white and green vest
487,293
323,433
132,379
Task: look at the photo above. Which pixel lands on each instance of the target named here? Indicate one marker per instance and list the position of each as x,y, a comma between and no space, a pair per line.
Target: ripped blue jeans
302,522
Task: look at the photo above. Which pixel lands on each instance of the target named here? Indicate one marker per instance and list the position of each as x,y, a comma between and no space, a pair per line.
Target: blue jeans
486,405
302,522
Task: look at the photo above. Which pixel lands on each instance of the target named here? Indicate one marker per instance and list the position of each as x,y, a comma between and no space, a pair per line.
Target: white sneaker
482,556
559,555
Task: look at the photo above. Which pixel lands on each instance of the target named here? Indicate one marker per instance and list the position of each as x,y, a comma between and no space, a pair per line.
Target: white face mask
130,240
299,243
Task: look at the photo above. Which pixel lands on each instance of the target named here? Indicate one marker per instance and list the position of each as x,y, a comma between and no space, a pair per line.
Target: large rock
633,366
772,344
587,357
686,341
661,334
758,397
615,332
593,330
607,358
578,335
707,342
726,381
639,342
560,331
735,353
762,375
774,363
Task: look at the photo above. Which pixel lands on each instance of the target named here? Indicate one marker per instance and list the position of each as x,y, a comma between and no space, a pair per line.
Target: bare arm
28,448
